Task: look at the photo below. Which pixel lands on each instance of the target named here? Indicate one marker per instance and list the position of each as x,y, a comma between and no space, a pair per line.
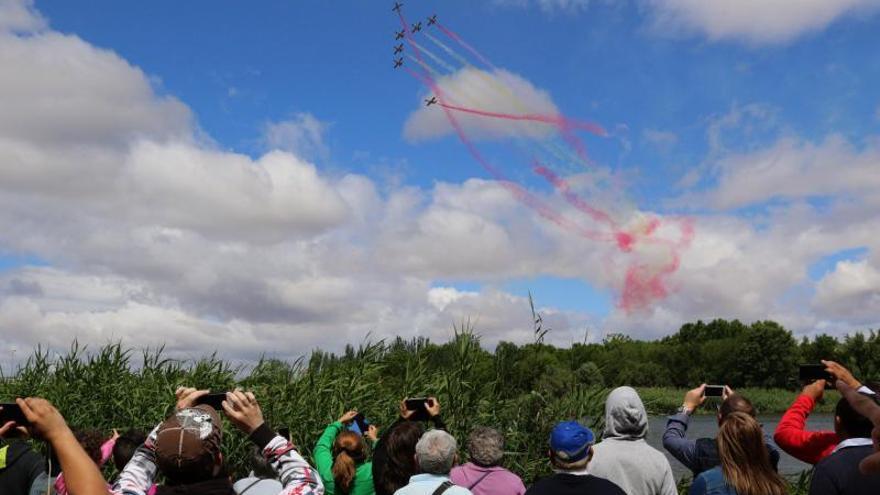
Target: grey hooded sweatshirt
623,456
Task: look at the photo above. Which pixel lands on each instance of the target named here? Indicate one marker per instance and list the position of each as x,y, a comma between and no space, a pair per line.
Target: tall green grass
766,400
114,387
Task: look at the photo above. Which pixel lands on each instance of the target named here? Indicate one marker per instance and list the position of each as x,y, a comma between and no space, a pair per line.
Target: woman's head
349,450
485,446
91,441
744,457
400,445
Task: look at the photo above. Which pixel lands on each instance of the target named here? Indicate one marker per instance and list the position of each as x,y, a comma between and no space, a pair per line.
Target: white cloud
753,21
20,16
851,291
793,169
302,135
500,92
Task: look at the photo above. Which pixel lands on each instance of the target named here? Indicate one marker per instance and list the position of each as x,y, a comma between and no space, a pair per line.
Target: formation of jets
399,35
430,101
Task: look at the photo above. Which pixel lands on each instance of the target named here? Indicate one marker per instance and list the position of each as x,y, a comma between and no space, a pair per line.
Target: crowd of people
417,456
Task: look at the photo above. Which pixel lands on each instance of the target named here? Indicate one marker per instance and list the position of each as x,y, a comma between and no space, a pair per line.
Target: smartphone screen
714,390
362,423
813,372
213,400
11,412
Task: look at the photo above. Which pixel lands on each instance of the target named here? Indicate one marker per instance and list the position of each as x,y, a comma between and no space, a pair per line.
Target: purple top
487,480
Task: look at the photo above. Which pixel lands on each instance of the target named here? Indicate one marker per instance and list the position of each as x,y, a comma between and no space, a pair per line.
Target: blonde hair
350,450
745,461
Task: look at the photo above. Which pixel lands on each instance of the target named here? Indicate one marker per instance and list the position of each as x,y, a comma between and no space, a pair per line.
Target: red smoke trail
643,283
559,121
515,189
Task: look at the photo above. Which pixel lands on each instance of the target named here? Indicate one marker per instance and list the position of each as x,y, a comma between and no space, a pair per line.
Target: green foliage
521,390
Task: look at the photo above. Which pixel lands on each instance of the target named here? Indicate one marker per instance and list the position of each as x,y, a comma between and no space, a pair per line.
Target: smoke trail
558,121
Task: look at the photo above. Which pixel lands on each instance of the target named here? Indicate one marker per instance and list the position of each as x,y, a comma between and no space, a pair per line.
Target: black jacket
217,486
838,474
574,484
23,467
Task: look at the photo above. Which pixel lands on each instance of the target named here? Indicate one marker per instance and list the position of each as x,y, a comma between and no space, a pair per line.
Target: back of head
436,452
625,415
850,424
486,446
260,465
571,446
91,441
745,461
188,445
349,450
126,444
400,446
736,403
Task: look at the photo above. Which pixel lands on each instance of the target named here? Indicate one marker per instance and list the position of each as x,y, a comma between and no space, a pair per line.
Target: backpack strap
475,483
249,486
446,485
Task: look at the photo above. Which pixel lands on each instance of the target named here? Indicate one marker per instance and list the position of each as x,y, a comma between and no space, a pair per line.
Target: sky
256,178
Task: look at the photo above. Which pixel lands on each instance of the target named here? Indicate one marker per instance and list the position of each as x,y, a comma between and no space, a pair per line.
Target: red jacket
792,437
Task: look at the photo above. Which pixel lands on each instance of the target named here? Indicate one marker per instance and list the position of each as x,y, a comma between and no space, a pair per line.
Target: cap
188,443
570,441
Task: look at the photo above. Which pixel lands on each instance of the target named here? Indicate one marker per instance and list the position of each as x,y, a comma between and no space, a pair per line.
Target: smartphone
812,372
213,400
12,412
360,424
714,390
419,405
284,432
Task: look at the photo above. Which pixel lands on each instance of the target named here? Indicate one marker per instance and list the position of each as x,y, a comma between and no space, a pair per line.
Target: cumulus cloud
753,21
851,291
499,91
793,169
20,16
303,135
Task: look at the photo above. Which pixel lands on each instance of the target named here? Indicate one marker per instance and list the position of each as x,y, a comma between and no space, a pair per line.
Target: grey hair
436,452
486,446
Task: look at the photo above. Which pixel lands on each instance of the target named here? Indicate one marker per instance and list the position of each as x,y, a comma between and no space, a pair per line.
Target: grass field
116,388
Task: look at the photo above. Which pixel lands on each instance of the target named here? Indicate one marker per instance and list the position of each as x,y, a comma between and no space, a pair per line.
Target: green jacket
363,477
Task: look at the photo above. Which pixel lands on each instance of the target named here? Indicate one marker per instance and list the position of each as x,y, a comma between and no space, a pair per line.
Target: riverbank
660,401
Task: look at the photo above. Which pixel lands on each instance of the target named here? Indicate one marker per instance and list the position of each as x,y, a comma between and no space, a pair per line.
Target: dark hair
401,452
349,450
853,424
125,446
260,465
736,403
91,441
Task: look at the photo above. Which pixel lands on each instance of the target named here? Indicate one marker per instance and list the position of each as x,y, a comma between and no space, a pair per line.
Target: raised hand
869,409
348,417
694,398
243,410
187,396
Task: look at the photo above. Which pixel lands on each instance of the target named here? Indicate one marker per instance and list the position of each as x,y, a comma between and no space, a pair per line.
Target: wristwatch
683,410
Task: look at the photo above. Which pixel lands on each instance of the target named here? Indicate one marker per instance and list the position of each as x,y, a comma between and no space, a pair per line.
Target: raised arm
83,477
869,409
675,439
791,433
296,475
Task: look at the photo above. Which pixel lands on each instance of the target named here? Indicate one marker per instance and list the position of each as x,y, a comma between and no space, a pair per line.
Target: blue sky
760,125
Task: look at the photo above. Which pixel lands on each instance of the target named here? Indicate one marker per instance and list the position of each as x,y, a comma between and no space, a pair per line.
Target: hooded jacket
22,471
623,456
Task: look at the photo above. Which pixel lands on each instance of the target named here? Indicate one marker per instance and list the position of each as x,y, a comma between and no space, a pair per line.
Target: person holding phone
185,449
702,454
394,454
341,458
23,470
44,422
791,433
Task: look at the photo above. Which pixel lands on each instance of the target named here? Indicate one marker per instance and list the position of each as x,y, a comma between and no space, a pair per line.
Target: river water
707,426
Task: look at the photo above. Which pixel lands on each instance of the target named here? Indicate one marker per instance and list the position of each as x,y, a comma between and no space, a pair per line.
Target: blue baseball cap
570,441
